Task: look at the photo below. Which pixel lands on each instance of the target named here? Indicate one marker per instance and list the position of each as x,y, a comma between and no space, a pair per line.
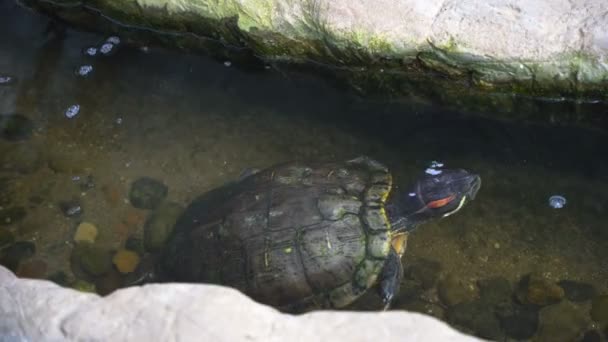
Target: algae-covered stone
91,259
537,290
577,291
83,286
496,290
477,316
125,261
109,282
453,290
160,224
85,232
519,321
147,193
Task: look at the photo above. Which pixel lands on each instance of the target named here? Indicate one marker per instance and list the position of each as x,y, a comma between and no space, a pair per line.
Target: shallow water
195,123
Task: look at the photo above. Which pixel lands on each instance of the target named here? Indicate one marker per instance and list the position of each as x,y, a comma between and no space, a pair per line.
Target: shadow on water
194,123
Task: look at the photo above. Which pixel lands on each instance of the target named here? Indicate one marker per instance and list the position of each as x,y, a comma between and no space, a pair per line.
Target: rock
22,158
537,290
83,286
6,238
453,290
113,194
495,291
109,283
16,253
35,269
15,127
518,321
599,310
11,215
477,316
592,336
561,322
85,232
147,193
425,271
576,291
190,312
160,225
91,259
71,208
125,261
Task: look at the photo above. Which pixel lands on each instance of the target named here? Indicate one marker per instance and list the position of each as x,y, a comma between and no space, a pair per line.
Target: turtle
309,235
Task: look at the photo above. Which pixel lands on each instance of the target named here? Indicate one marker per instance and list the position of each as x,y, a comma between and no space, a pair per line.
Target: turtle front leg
390,278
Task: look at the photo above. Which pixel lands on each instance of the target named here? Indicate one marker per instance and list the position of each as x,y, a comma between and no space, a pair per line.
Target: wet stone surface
577,291
16,253
15,127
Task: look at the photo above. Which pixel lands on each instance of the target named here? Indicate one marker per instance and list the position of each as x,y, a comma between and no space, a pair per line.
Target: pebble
83,286
432,172
90,51
84,70
561,322
557,202
159,226
537,290
5,79
72,111
114,40
125,261
91,259
577,291
147,193
227,63
86,232
71,208
33,269
106,48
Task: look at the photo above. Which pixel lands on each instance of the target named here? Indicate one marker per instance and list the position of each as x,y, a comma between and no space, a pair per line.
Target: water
195,123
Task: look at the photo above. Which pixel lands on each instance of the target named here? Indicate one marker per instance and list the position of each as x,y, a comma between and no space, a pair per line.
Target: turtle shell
294,236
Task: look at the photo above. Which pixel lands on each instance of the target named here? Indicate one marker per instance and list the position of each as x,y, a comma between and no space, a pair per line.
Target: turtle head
437,194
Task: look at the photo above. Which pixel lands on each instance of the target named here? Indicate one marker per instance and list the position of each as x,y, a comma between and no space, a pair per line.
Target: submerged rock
71,208
109,283
83,286
147,193
537,290
15,127
425,271
6,237
35,269
16,253
592,336
60,278
495,291
91,259
135,243
576,291
85,232
125,261
561,322
159,225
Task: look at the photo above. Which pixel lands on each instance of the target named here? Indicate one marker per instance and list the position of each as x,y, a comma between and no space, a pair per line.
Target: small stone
227,63
453,290
577,291
6,80
90,51
106,48
16,253
136,244
537,290
33,269
160,225
84,70
112,193
599,310
592,336
15,127
71,208
125,261
72,111
12,215
147,193
113,39
93,260
561,322
83,286
85,232
88,183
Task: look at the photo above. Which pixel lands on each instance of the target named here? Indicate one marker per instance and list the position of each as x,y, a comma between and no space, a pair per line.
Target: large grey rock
38,310
543,46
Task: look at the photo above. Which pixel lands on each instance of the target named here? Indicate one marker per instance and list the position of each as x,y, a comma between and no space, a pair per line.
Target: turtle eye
440,202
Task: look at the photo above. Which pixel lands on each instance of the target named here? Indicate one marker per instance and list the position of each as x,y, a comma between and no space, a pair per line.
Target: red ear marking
440,202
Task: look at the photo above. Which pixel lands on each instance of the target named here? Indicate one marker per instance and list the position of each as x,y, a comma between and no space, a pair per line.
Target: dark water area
506,263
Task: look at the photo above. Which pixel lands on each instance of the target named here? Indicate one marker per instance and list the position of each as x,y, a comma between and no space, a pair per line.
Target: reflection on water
193,124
